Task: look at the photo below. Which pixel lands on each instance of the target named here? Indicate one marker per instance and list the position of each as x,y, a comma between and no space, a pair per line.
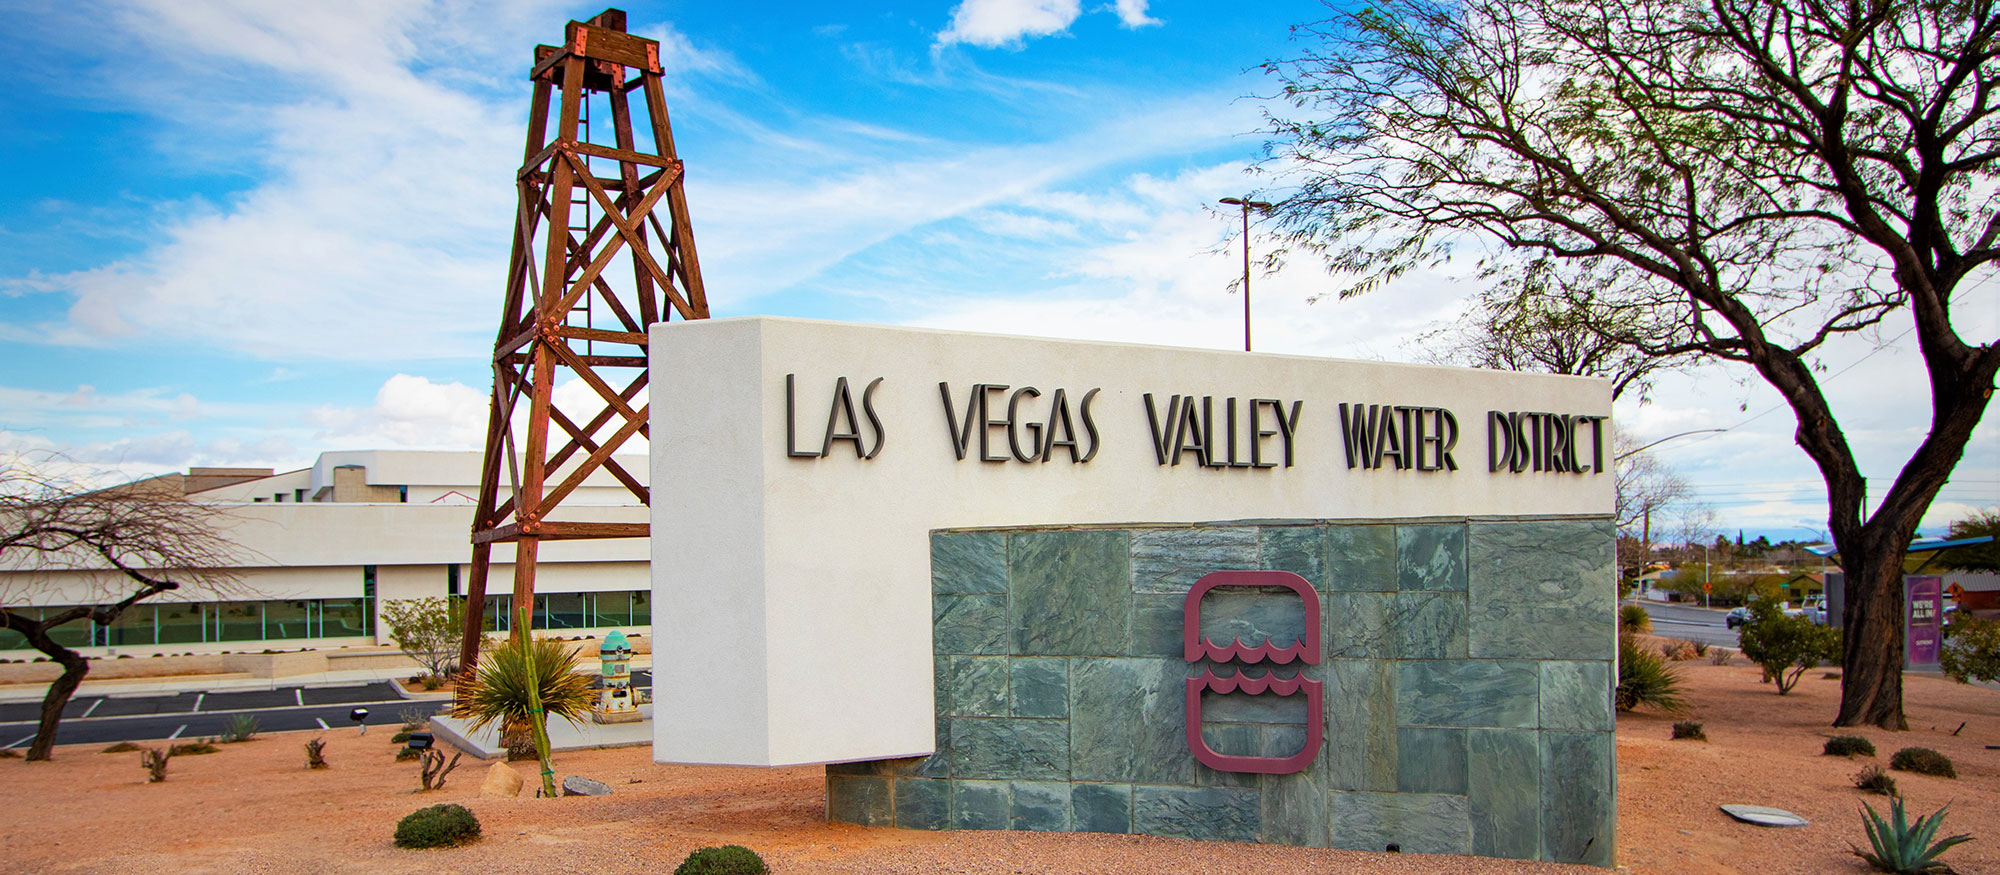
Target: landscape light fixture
360,717
1247,204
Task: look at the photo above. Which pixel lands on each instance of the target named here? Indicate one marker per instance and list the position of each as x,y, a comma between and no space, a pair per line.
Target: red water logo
1306,651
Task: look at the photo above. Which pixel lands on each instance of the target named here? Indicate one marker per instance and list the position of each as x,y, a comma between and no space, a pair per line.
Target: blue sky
244,232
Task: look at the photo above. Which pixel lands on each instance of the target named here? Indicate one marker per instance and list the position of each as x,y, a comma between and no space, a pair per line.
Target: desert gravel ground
254,808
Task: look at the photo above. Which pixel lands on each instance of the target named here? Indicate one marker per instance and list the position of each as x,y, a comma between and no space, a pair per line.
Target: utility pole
1705,581
1246,203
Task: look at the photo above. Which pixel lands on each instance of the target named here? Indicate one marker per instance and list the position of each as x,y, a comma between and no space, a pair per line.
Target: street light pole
1704,575
1246,203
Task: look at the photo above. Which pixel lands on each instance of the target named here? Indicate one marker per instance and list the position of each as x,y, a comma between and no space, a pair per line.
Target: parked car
1736,617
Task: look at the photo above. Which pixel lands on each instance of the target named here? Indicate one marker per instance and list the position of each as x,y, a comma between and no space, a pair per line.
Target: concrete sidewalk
171,684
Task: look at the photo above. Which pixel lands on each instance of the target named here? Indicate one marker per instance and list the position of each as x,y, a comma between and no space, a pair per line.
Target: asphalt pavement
189,715
1693,622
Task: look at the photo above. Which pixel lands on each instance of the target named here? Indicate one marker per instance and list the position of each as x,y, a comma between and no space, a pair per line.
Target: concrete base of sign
563,735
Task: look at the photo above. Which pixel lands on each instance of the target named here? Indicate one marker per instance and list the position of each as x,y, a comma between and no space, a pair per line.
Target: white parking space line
321,722
177,732
299,695
93,707
197,701
19,743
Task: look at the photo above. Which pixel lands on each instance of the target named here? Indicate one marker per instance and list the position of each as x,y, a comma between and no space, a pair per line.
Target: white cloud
1132,13
995,23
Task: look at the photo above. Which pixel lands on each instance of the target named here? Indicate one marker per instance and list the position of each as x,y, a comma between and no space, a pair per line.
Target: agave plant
1646,678
1904,847
519,684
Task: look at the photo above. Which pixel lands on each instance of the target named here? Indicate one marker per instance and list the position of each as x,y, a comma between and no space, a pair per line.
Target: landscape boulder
577,785
501,780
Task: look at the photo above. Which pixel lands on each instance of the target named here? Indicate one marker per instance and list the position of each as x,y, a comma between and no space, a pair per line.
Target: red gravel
254,808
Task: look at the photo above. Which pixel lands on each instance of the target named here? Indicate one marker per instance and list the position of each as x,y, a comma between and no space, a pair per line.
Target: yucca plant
1645,678
519,684
1904,847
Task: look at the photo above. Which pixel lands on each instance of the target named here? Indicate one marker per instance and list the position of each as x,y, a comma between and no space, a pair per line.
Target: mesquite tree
1721,180
62,544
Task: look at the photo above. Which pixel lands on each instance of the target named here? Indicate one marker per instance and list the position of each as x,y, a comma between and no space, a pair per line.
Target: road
193,715
1689,621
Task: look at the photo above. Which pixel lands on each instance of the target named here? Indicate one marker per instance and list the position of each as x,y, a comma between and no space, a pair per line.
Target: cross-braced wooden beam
584,206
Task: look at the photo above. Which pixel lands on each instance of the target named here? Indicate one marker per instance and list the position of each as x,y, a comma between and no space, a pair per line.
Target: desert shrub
1634,619
1679,651
1721,656
725,860
431,682
1786,646
154,761
1923,761
1700,647
439,826
1973,650
120,747
407,754
1689,730
1847,746
242,727
1897,845
1875,779
413,718
9,754
399,738
1645,678
316,753
192,748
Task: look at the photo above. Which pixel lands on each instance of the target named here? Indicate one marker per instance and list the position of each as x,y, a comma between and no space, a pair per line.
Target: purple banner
1925,613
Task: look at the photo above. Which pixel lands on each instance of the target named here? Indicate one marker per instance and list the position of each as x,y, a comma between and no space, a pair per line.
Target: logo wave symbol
1307,649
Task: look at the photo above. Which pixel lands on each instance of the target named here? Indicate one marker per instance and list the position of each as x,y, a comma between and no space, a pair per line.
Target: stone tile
900,767
1128,721
1576,695
965,563
977,685
1101,807
1157,625
1300,550
1068,592
1360,747
1294,806
922,803
1209,813
1171,560
1430,557
1042,806
1040,686
1542,590
1009,748
1429,625
1579,804
1241,739
1504,789
1361,558
1252,617
969,624
864,800
1418,823
1430,760
981,805
1358,625
1474,692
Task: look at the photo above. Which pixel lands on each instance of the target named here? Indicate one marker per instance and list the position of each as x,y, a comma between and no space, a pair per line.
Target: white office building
320,549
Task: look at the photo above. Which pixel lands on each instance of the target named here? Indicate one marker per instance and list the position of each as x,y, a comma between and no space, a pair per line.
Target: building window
298,495
403,494
451,579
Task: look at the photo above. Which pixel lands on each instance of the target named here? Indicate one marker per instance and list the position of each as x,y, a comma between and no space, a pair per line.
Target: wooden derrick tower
587,209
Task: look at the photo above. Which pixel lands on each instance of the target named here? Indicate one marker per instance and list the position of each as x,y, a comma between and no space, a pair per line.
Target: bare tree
1649,497
1722,180
119,546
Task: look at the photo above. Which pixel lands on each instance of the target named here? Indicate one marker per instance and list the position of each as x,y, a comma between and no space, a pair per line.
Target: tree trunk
1871,676
74,668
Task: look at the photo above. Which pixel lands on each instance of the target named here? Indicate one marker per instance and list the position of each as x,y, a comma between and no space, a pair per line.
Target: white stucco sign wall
798,468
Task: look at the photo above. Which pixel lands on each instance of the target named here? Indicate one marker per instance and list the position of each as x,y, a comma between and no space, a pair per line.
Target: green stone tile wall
1467,677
